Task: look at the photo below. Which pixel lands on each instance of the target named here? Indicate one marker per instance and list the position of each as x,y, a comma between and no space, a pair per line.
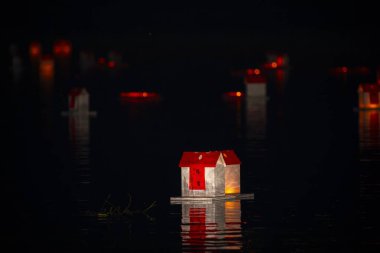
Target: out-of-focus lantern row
61,48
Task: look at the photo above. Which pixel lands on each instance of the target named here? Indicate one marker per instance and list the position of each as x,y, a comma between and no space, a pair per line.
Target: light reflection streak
214,225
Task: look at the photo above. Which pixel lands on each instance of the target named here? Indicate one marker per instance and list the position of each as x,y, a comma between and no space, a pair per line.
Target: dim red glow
102,60
369,95
111,64
66,49
62,48
344,69
136,96
234,94
47,67
273,65
35,49
280,61
254,76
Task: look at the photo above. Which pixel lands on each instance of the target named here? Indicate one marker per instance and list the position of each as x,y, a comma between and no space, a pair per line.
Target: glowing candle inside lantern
232,172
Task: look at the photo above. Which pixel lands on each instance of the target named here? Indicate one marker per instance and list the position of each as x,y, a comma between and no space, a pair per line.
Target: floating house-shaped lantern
255,83
369,96
232,172
79,100
79,103
202,174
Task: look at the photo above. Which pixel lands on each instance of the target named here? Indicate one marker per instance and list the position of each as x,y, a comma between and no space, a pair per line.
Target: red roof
230,157
207,159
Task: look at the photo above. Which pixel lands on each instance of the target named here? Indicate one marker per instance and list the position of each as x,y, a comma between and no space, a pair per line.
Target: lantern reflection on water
79,133
211,226
46,69
369,130
35,50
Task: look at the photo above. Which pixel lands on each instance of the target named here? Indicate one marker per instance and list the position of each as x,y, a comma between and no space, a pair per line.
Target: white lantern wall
232,179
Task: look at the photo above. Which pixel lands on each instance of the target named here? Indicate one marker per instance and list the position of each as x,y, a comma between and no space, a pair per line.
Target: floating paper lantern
79,100
369,96
207,174
202,174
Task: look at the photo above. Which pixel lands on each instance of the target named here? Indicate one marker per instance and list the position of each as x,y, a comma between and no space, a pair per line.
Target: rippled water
103,180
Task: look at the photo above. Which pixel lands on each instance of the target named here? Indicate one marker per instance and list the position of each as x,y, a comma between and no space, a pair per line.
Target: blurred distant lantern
233,95
253,75
340,71
136,96
62,48
275,61
79,103
232,172
101,60
35,50
111,64
47,67
114,59
255,83
79,100
369,96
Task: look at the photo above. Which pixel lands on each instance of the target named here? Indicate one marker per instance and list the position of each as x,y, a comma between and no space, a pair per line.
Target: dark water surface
83,182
